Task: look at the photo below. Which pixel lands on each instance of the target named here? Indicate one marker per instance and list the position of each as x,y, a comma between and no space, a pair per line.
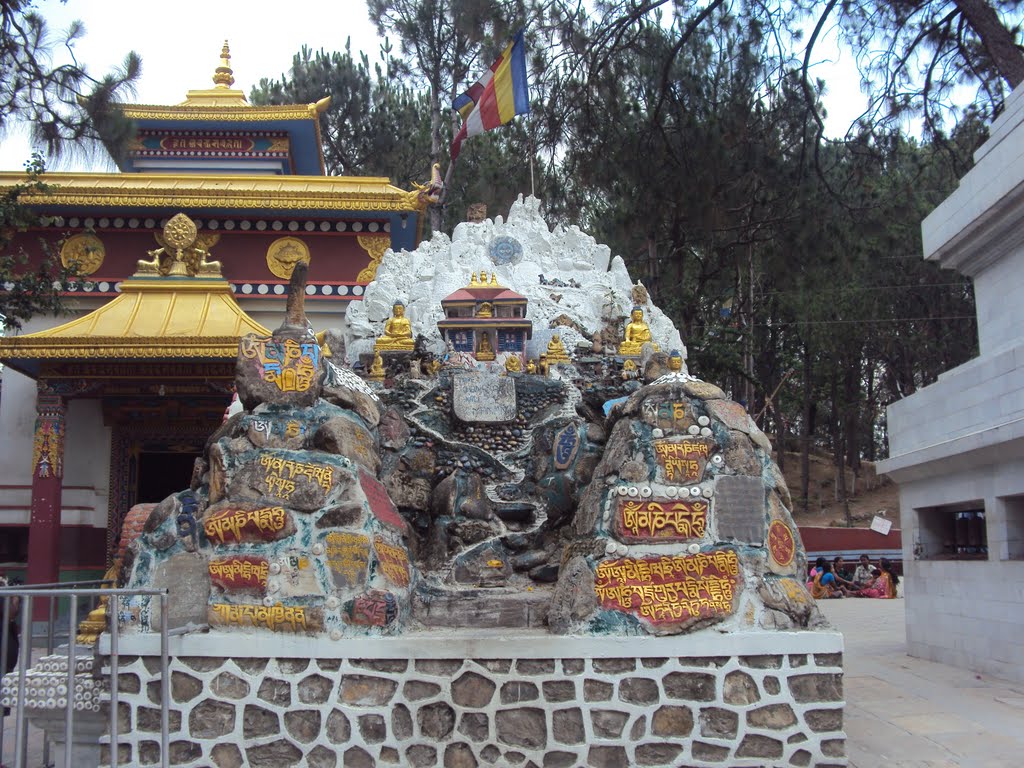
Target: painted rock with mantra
244,522
565,445
276,618
672,593
681,461
298,576
376,608
240,573
393,562
295,479
668,415
286,368
348,558
660,520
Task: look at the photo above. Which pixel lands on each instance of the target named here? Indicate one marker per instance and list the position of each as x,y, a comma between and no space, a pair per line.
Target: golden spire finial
494,278
472,280
223,76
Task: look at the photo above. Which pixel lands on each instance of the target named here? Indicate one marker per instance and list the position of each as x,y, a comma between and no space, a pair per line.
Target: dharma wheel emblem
506,250
180,231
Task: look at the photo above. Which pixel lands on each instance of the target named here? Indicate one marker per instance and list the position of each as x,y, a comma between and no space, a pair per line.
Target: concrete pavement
908,713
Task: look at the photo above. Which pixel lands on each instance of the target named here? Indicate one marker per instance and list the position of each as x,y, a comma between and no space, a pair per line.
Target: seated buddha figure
485,351
637,334
377,368
397,332
513,364
556,350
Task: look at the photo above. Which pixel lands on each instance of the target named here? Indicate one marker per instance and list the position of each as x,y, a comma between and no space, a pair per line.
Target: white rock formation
422,278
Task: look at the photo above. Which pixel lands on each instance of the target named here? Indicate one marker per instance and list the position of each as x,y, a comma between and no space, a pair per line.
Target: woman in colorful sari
884,584
824,585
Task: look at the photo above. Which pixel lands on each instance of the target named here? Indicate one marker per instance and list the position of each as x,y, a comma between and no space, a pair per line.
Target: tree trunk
996,38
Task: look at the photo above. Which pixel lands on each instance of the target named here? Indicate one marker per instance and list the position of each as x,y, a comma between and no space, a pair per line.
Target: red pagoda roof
489,293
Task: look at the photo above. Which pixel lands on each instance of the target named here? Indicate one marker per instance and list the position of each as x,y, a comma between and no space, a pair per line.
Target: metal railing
27,595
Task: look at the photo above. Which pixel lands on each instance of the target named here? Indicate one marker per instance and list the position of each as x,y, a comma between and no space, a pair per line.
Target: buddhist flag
498,96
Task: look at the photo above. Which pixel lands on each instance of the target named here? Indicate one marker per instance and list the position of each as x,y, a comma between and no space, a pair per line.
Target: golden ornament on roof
223,76
284,253
180,254
83,253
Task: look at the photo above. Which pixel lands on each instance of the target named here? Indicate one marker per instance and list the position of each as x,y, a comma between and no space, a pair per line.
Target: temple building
485,319
108,406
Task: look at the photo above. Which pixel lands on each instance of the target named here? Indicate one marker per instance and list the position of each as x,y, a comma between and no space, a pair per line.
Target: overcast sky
180,43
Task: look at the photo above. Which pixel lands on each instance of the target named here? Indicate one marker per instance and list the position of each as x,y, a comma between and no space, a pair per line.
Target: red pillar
47,477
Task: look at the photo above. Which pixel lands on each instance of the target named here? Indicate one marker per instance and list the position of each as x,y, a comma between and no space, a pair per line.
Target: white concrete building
957,447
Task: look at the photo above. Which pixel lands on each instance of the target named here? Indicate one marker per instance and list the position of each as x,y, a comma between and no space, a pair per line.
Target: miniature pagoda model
484,317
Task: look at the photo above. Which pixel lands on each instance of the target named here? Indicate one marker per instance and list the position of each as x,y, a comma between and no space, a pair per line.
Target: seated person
842,575
815,571
862,575
884,583
824,586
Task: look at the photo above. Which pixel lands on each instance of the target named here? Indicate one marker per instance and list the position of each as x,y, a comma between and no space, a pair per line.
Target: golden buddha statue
397,332
377,368
513,364
484,350
556,350
433,367
629,370
637,334
675,361
531,367
485,310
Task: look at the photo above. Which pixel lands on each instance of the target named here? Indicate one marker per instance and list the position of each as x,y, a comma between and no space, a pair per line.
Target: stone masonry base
446,701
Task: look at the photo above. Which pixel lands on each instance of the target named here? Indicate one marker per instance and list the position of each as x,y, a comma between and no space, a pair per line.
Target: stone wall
730,710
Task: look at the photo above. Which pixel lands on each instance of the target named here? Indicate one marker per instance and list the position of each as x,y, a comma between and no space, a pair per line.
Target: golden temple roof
320,193
153,318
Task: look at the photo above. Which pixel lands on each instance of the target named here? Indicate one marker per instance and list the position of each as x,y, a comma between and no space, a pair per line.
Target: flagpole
532,191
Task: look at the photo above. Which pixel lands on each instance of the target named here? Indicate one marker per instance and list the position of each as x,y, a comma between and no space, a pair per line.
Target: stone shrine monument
555,547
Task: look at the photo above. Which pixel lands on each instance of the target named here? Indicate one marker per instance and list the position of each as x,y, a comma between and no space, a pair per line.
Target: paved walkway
900,712
903,712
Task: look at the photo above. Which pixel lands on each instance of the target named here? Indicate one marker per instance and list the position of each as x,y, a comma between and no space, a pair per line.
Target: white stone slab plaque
484,398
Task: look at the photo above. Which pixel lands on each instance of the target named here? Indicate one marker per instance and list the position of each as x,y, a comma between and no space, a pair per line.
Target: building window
952,532
1013,510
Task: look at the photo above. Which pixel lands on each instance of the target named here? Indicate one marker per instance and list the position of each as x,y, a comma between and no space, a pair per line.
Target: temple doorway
160,474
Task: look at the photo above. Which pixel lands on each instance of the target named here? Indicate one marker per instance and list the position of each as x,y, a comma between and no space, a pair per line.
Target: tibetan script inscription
380,502
566,443
781,545
667,415
244,573
661,519
374,609
229,526
277,618
280,475
289,365
394,562
348,555
683,461
671,590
